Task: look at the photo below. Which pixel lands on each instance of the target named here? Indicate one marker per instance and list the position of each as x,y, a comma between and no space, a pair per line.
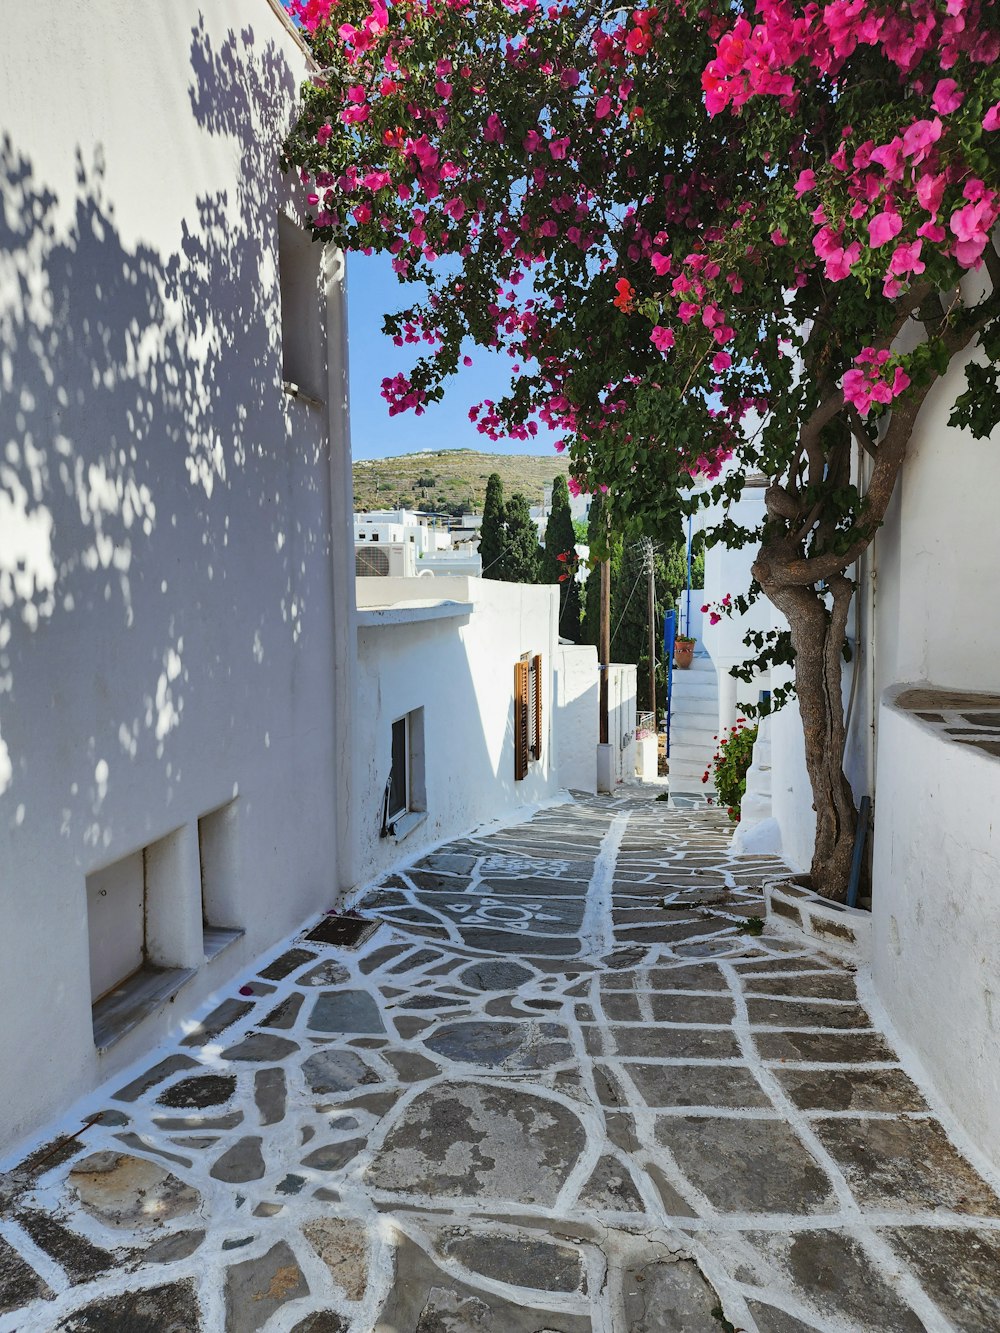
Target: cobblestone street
561,1088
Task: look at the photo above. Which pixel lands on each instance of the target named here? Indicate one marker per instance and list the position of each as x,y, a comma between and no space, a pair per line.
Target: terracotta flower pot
683,653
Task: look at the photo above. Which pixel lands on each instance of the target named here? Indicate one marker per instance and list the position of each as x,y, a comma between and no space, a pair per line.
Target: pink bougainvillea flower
991,121
721,361
805,183
661,338
906,259
494,131
884,227
947,97
921,137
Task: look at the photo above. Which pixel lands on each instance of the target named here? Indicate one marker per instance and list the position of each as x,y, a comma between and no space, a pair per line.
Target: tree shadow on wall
151,472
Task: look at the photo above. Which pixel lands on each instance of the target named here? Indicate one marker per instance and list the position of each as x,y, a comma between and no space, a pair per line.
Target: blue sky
372,290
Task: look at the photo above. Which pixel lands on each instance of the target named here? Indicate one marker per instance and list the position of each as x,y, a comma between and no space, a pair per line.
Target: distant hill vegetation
451,481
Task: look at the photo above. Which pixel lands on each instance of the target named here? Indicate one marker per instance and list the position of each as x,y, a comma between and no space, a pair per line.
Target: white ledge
410,613
799,913
405,824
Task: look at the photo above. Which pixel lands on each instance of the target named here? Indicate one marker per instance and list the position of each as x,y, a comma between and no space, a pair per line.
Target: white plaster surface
167,583
934,930
461,672
577,689
937,920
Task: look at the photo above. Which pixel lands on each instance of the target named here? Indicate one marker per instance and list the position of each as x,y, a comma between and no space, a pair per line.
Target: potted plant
683,651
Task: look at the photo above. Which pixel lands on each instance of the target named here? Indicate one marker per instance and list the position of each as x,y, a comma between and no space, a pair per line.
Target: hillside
450,480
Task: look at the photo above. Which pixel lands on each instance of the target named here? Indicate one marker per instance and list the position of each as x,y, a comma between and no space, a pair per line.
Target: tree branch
859,432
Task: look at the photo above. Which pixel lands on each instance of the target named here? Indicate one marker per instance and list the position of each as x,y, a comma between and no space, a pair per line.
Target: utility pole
649,565
605,649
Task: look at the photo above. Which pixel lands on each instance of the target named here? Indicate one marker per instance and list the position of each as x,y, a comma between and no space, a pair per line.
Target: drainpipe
344,610
669,631
687,619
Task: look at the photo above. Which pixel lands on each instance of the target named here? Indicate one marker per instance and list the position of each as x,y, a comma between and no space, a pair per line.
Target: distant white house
448,734
469,707
400,543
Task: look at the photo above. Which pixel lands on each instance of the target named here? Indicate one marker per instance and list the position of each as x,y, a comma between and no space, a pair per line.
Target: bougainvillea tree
702,230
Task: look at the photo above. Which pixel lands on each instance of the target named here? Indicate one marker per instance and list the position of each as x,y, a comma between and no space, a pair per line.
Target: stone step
691,754
701,690
699,736
684,778
705,724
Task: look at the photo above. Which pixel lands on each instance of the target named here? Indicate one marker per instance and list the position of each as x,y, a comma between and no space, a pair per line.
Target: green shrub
729,765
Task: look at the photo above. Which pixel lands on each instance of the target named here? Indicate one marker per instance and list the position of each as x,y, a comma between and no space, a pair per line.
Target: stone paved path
558,1091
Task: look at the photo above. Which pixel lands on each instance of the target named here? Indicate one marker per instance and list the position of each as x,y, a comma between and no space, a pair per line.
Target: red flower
626,295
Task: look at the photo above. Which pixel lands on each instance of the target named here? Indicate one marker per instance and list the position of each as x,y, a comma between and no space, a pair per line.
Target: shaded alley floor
557,1091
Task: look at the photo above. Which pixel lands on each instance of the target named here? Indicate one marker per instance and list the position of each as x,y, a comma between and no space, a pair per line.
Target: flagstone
345,1011
257,1288
513,1045
467,1140
173,1307
747,1165
130,1193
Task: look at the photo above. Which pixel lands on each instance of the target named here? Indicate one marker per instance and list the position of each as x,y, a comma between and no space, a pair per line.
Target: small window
405,796
374,536
303,359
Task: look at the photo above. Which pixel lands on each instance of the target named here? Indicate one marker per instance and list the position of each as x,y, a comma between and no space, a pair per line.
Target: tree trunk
817,633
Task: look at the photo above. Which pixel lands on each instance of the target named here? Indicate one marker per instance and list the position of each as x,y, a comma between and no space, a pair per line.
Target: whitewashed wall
622,695
172,624
460,670
577,720
936,865
728,572
936,927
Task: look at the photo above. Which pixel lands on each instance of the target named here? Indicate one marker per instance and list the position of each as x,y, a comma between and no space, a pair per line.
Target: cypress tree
491,534
521,559
560,540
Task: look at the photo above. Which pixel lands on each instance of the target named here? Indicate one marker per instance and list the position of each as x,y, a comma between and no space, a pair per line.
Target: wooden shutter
536,706
521,720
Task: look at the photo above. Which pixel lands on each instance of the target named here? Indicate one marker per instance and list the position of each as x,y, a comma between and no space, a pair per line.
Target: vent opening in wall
218,847
303,365
135,909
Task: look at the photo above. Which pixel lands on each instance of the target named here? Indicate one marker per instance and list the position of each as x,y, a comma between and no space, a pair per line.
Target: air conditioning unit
396,560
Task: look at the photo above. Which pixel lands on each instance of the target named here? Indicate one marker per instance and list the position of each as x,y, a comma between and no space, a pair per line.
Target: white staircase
694,724
758,833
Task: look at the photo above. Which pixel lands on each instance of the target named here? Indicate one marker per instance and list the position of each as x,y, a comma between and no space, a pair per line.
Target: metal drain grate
342,929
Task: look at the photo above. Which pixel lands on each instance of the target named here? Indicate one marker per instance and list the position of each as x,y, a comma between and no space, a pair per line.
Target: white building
175,633
922,697
436,709
400,543
192,758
